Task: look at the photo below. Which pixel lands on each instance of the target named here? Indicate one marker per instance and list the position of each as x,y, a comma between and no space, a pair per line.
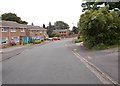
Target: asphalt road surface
52,63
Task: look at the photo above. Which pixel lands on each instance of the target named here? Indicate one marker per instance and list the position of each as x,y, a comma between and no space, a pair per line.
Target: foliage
13,17
75,30
50,29
44,26
78,40
96,5
57,25
61,25
99,27
55,34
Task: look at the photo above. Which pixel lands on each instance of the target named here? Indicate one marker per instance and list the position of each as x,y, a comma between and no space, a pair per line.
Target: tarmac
106,60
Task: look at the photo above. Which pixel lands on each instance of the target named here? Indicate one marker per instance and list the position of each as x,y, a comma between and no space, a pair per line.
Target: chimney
32,24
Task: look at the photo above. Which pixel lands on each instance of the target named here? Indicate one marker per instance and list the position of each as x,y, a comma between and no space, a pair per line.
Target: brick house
36,32
11,30
63,32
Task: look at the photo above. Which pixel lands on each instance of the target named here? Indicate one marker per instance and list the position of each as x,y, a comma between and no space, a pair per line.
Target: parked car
50,39
12,42
36,41
59,38
55,38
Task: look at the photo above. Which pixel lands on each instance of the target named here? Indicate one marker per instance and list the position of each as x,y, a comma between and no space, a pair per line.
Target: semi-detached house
34,32
10,30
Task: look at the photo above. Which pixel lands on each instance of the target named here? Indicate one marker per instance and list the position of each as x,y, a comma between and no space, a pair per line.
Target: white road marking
89,57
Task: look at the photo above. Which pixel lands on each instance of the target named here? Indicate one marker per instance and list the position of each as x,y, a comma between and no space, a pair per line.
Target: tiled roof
62,30
11,24
15,24
31,27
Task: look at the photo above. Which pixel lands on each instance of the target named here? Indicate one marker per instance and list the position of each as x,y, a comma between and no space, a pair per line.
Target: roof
11,24
62,30
15,24
31,27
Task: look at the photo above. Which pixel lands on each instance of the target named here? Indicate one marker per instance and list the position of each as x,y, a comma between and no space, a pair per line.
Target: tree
75,30
96,5
61,25
12,17
50,29
44,26
99,27
55,34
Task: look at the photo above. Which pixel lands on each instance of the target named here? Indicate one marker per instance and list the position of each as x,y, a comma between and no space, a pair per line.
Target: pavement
106,60
7,53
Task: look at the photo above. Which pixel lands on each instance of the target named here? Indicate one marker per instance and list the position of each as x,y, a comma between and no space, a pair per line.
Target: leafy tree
23,22
99,27
13,17
96,5
75,30
61,25
55,34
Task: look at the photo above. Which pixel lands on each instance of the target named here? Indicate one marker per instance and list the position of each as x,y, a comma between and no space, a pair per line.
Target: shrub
78,40
99,27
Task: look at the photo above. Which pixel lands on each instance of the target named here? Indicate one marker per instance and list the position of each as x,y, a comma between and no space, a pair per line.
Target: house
12,31
34,32
63,32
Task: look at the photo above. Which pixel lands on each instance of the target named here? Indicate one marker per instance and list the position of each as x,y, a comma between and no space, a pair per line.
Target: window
37,31
4,40
3,29
16,39
22,30
13,29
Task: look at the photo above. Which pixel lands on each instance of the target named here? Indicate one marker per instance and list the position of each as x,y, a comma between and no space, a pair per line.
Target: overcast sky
44,11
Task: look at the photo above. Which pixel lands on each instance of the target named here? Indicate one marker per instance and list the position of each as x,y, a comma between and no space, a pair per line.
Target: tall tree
96,5
13,17
99,27
61,25
75,30
50,29
44,26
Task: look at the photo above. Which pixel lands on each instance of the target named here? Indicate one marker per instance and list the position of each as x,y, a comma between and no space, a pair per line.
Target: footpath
12,51
106,60
12,48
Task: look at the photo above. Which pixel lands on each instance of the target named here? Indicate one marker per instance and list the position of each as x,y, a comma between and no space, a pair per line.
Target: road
52,63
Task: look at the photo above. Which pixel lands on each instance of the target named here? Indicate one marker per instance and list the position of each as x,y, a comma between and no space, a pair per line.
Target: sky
44,11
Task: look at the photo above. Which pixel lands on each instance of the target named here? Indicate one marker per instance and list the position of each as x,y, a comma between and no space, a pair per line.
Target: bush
99,27
55,34
78,40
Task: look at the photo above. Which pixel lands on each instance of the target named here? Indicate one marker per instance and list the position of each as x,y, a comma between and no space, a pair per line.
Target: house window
3,29
37,31
16,39
13,29
4,40
22,30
